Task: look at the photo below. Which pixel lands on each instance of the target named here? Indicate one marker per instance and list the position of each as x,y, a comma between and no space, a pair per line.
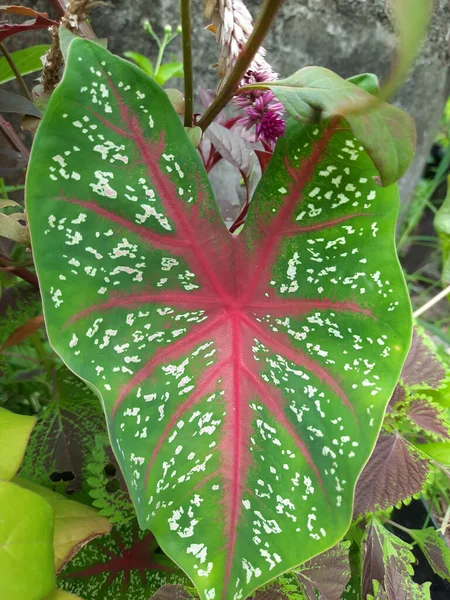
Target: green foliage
26,61
442,225
314,94
160,72
14,433
26,544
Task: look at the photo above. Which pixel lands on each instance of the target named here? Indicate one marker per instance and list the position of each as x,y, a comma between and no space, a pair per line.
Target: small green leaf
142,61
75,523
169,70
442,225
26,544
27,61
366,81
195,135
315,94
15,431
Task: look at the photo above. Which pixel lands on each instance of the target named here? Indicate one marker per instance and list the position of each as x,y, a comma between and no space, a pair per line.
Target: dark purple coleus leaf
435,549
395,472
422,367
428,416
125,565
387,567
62,443
327,573
244,378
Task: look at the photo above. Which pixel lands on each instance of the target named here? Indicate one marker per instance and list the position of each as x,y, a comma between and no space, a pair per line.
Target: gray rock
348,36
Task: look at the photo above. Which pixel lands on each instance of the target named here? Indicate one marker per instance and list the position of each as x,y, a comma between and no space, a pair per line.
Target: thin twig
262,26
187,63
16,72
21,272
432,302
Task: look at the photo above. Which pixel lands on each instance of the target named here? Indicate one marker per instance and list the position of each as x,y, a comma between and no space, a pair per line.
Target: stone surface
348,36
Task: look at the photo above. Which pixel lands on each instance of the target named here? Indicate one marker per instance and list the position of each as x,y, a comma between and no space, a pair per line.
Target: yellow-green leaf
75,523
15,431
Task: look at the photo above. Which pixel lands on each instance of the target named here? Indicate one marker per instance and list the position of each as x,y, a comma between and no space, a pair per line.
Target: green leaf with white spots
244,378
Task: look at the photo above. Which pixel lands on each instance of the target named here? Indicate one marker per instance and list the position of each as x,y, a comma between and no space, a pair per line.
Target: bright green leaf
442,225
439,451
226,365
314,94
169,70
15,431
27,61
366,81
75,523
195,135
142,61
26,544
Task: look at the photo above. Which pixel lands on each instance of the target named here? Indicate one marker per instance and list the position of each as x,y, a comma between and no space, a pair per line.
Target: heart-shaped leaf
244,377
26,544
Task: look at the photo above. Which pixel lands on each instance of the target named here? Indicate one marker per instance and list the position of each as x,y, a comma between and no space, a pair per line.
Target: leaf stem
432,302
21,272
404,529
16,72
187,62
12,137
262,26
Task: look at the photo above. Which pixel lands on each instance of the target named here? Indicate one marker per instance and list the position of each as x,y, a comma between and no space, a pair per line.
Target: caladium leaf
244,377
126,564
395,472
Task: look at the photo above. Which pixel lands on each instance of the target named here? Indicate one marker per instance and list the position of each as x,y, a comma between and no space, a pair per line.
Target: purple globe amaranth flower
266,115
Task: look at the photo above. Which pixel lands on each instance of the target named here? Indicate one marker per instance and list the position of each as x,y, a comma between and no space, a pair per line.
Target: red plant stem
21,272
265,20
12,137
